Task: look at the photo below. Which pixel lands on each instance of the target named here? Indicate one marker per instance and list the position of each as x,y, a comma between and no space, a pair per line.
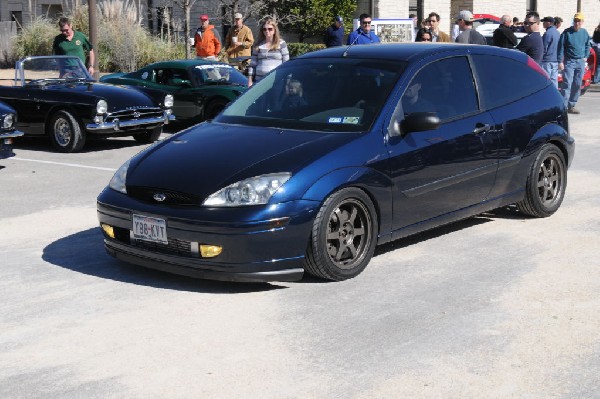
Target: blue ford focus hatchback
338,151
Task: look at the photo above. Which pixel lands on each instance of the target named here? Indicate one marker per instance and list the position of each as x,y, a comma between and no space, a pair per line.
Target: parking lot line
65,164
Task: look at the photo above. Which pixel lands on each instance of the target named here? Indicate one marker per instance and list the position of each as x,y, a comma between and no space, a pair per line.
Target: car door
177,81
31,104
443,170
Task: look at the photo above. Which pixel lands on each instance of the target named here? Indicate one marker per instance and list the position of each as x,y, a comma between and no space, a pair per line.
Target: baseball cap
465,15
203,17
339,19
578,16
548,19
238,15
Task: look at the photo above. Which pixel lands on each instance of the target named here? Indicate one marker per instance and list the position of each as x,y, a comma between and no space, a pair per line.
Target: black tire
215,107
344,236
149,136
65,132
546,183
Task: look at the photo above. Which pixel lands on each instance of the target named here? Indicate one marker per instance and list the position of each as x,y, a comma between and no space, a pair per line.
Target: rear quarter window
504,80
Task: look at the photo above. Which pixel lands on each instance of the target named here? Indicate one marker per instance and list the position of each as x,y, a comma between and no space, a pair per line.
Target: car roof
410,52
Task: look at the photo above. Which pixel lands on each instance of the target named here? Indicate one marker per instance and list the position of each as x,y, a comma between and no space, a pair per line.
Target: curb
594,87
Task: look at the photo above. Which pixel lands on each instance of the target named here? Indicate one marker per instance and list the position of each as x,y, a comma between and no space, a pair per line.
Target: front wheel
65,132
344,236
546,183
148,137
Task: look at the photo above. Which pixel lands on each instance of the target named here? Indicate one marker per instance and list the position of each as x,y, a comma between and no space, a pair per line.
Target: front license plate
150,229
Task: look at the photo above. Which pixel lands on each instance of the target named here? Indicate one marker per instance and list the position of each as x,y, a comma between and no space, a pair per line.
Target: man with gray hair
504,36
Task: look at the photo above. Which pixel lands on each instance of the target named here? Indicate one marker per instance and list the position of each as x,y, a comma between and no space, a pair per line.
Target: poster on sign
391,30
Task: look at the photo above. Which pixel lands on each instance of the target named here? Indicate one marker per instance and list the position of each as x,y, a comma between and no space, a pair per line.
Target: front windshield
218,74
40,69
325,94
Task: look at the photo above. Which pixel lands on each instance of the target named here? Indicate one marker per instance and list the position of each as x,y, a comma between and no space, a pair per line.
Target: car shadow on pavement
83,252
92,145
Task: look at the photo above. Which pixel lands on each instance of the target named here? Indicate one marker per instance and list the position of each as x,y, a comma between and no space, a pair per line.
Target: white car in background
487,30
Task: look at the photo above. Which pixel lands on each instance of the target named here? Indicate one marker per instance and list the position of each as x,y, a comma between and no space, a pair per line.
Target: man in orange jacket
207,40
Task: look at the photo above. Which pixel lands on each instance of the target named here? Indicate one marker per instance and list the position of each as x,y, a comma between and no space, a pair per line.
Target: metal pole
93,34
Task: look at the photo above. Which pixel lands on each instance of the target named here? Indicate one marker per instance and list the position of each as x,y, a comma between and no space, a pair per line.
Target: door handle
481,128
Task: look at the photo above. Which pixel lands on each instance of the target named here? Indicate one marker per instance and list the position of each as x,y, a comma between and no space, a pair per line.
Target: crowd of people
565,52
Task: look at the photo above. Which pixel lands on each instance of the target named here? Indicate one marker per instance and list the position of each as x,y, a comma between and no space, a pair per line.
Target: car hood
210,156
117,97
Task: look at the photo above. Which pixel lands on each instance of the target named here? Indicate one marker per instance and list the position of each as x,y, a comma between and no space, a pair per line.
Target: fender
377,186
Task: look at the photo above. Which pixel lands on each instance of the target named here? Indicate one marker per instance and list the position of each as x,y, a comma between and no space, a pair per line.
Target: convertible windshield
318,94
218,74
40,70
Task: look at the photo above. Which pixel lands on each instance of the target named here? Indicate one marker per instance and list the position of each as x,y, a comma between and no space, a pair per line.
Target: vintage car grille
147,194
132,114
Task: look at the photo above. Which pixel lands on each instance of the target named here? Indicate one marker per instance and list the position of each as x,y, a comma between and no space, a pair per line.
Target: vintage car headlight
168,101
254,191
101,107
9,121
117,182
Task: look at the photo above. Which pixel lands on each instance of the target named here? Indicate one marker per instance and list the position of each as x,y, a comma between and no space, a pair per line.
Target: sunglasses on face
366,22
529,23
425,39
268,29
64,30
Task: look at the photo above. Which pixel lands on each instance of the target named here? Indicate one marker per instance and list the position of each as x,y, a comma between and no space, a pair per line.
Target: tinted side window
445,86
503,80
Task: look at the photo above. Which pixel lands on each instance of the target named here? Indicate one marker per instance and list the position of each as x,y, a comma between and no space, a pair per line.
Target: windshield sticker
335,119
212,66
352,120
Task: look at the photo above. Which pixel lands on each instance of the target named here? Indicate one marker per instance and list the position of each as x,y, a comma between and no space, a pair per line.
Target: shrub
297,49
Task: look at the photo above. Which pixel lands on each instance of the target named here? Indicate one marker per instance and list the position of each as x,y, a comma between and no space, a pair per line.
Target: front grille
147,194
174,247
132,114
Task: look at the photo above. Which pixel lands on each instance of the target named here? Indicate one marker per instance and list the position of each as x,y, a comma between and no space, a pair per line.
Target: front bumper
253,251
6,143
116,124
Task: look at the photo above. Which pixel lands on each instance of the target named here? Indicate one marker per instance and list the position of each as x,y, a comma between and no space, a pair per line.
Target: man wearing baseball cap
468,35
573,50
239,40
550,57
334,35
207,40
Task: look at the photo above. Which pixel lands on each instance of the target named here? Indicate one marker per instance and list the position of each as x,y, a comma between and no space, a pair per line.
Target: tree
186,6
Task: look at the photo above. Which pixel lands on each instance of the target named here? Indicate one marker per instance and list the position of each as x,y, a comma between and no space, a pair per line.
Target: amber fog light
210,251
108,230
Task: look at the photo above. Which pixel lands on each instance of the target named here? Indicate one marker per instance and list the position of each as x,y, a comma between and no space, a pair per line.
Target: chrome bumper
10,135
116,124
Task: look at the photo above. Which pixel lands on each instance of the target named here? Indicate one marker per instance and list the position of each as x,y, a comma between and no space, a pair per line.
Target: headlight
117,182
168,101
254,191
101,107
9,121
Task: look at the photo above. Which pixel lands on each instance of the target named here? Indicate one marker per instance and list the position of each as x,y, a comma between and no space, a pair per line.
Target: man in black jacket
504,36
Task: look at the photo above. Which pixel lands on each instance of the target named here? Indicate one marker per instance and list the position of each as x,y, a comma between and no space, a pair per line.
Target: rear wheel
546,183
149,136
344,236
65,132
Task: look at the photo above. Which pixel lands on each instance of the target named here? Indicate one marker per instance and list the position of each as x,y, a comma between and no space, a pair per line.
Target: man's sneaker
573,110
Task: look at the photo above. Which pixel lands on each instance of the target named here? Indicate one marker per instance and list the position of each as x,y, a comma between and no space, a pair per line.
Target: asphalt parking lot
494,306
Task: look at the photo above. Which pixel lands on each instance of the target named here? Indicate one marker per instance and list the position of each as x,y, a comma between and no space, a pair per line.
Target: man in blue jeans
573,50
550,40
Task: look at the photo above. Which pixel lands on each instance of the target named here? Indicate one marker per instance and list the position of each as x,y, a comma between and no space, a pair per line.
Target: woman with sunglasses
269,52
424,35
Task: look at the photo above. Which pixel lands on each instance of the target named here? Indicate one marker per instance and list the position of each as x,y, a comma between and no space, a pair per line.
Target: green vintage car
201,88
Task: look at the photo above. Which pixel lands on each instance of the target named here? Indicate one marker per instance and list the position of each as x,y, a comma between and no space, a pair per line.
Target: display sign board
391,30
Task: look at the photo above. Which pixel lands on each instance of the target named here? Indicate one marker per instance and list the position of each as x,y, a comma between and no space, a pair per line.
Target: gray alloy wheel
65,132
149,136
344,236
546,183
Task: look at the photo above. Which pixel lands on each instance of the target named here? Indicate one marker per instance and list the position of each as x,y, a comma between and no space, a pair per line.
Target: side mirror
419,122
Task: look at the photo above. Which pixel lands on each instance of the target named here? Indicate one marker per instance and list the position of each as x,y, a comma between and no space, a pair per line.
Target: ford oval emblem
136,114
159,197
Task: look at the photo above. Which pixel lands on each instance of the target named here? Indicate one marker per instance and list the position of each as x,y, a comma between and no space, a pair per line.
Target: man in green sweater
72,42
573,51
